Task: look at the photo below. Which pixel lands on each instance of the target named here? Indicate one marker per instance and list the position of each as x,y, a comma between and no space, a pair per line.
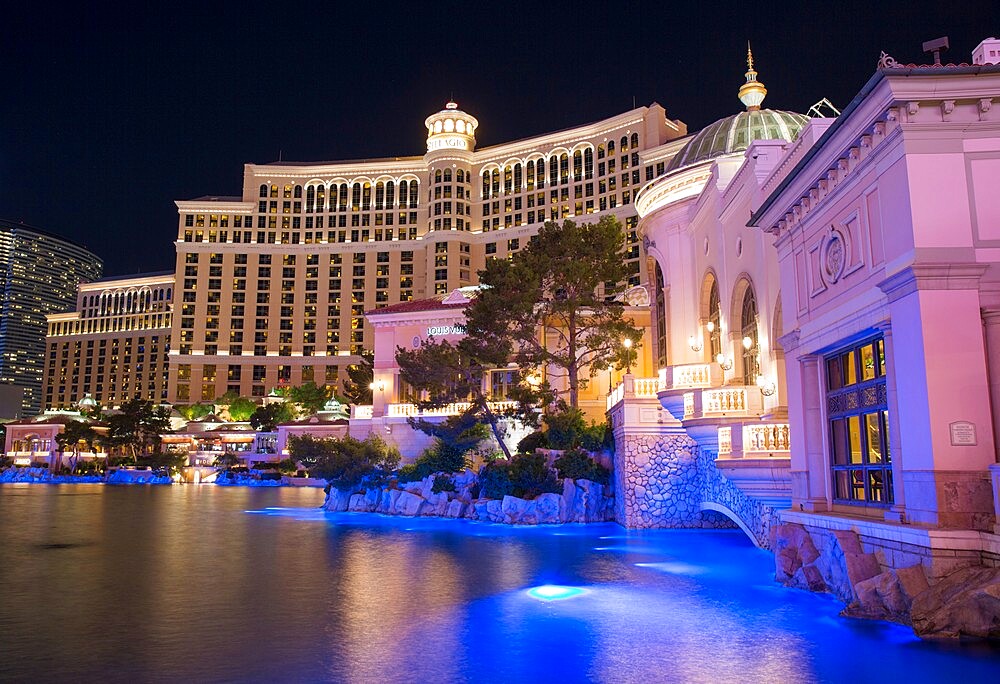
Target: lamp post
627,343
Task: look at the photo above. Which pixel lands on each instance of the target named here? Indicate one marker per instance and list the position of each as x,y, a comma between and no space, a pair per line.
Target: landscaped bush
86,468
443,483
596,437
171,462
345,463
536,440
494,480
440,457
577,464
287,466
565,428
525,476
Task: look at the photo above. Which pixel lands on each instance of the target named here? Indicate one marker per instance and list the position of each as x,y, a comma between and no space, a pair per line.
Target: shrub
287,466
525,476
596,437
440,457
536,440
345,463
443,483
494,480
565,428
577,464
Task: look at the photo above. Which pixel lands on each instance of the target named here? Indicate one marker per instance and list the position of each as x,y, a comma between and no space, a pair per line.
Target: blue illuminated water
226,584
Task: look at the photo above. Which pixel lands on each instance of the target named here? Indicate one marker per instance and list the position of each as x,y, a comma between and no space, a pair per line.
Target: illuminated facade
115,346
41,273
272,286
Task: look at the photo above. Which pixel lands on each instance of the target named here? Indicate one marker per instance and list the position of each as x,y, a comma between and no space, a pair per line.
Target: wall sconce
724,363
710,326
748,343
695,343
767,388
377,386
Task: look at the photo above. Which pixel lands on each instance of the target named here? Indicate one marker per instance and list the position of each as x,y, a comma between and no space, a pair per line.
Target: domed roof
735,133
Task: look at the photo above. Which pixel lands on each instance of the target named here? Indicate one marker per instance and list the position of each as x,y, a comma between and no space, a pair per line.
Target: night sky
109,115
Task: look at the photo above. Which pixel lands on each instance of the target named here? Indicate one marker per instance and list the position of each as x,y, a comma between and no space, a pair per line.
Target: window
714,321
858,417
748,325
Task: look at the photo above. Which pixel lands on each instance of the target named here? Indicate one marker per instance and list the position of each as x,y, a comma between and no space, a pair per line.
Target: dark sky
112,113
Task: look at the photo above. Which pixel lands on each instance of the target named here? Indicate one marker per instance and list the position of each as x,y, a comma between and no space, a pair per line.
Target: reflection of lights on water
675,568
554,592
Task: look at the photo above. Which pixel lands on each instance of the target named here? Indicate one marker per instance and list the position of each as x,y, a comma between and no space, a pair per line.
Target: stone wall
756,518
658,483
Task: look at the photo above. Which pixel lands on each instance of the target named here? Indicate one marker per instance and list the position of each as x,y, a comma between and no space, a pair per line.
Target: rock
455,509
373,497
516,511
356,502
547,508
437,504
964,603
482,509
337,500
493,511
408,503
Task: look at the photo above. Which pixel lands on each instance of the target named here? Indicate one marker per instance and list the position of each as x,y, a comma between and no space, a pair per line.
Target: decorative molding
954,276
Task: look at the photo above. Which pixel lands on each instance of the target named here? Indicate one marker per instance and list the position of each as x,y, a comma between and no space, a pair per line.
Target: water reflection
230,584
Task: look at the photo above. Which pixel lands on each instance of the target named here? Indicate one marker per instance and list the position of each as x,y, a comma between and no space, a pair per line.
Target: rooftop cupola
752,92
451,129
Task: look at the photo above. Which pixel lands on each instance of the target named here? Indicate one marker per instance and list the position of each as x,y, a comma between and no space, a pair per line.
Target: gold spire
752,92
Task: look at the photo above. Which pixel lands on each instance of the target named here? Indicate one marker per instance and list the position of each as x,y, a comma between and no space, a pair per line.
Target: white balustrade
690,376
725,441
453,409
765,438
646,387
688,404
725,400
362,412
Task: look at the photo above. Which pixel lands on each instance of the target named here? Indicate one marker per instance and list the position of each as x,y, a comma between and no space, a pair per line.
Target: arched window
748,328
404,188
437,176
390,195
495,181
578,166
554,171
356,197
486,184
297,193
564,167
508,179
714,321
611,147
623,144
518,179
460,176
447,175
635,140
413,194
366,197
540,172
588,163
321,197
310,197
600,151
343,198
661,320
263,191
379,196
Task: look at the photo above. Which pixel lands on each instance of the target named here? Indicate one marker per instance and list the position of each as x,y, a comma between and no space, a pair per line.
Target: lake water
207,584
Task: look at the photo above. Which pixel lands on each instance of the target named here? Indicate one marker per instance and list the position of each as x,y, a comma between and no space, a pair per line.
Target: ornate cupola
451,129
752,92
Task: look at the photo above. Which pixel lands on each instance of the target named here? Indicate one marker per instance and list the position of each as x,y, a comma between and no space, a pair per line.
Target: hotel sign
442,330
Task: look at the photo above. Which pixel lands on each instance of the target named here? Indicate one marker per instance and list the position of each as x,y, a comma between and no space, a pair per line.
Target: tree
194,411
449,373
74,435
346,462
547,306
266,418
310,396
241,408
137,426
357,387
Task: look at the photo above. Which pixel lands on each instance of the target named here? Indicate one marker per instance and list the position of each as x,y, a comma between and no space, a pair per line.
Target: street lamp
627,343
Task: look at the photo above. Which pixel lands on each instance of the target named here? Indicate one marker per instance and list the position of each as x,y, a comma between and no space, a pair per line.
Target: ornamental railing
766,438
453,409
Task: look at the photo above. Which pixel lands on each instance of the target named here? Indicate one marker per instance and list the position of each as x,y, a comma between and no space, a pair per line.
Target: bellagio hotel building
271,287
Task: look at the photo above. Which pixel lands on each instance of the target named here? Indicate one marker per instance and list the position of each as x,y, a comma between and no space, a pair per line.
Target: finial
752,92
451,105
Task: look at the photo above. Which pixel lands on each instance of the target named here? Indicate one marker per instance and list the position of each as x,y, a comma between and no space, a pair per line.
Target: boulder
482,509
455,509
517,511
547,508
494,513
373,497
964,603
337,500
437,504
356,502
408,503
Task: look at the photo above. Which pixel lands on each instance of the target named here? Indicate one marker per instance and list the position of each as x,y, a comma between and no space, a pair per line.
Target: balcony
756,458
755,440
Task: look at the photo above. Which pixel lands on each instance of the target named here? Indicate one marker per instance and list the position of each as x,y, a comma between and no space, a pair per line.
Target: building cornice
944,276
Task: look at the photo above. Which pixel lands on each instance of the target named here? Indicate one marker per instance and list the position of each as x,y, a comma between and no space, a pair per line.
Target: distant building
114,347
273,284
41,273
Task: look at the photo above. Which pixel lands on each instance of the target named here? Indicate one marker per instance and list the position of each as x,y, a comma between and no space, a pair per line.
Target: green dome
735,133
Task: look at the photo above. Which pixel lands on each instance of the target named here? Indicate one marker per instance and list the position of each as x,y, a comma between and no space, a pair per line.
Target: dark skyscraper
41,273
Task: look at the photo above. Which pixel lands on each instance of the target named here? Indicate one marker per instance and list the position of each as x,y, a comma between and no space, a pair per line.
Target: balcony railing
361,412
690,376
765,438
637,388
454,409
722,402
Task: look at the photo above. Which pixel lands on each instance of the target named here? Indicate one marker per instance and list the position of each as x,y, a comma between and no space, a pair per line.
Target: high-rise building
41,273
114,346
272,285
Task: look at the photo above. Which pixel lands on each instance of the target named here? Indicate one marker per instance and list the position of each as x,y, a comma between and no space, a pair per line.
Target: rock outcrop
580,501
965,603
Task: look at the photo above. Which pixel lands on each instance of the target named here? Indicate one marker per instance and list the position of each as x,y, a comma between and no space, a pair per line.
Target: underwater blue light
554,592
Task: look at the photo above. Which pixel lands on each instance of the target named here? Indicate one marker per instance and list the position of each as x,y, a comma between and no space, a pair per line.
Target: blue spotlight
554,592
